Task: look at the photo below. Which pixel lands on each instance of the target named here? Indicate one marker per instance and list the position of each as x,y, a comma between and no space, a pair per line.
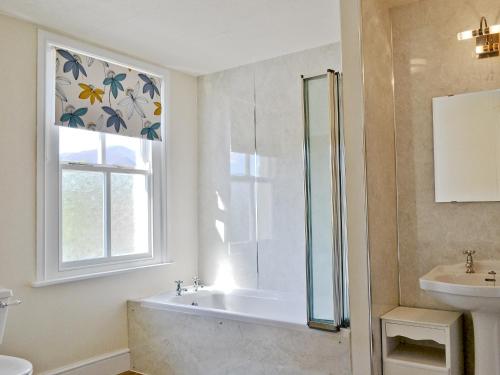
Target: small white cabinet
422,342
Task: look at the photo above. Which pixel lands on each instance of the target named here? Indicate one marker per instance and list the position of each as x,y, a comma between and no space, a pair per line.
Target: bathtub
249,332
247,305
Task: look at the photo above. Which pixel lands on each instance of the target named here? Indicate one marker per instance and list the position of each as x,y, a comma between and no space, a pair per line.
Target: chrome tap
492,276
179,288
5,304
469,262
197,283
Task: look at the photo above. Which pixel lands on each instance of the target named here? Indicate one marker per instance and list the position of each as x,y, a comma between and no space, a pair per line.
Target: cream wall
61,324
429,61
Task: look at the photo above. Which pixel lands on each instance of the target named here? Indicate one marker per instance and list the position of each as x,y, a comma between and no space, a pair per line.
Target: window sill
69,279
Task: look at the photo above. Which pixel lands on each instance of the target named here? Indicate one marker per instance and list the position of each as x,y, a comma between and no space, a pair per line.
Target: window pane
127,151
129,214
238,164
82,215
78,145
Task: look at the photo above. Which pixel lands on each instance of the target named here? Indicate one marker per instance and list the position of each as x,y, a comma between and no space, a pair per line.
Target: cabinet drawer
416,332
391,368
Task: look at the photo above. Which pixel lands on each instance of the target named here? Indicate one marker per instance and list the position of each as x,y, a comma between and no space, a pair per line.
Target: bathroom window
105,194
101,196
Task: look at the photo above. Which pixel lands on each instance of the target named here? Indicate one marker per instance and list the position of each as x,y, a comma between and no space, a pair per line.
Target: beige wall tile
380,165
429,61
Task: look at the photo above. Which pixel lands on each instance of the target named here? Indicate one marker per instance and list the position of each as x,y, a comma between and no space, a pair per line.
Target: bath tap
179,288
492,276
197,283
469,263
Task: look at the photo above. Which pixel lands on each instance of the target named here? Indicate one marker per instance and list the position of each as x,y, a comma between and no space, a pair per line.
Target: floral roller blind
97,95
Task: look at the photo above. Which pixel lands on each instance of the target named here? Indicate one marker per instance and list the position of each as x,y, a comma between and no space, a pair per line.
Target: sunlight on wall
225,279
220,203
219,225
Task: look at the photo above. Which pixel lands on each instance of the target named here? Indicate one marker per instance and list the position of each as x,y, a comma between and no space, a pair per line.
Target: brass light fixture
487,39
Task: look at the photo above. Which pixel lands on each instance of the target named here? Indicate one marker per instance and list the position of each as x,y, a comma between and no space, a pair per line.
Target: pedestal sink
471,292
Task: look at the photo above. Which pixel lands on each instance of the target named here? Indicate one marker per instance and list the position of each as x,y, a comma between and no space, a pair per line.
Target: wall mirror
467,147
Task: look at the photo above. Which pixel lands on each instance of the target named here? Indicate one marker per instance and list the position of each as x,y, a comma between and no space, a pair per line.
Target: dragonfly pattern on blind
97,95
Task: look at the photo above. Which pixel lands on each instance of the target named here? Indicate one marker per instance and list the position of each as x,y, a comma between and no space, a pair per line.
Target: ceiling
195,36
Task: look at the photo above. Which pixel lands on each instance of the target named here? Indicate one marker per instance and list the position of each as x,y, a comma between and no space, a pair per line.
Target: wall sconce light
487,39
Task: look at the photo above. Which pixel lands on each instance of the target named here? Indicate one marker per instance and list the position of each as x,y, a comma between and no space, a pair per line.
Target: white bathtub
248,305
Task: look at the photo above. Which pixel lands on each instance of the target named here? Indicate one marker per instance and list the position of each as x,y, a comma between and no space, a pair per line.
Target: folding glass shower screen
325,203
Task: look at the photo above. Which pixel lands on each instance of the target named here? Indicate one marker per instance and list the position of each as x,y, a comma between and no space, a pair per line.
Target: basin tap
469,262
179,288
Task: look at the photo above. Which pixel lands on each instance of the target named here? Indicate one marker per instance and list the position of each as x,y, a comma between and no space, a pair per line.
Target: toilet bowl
14,366
10,365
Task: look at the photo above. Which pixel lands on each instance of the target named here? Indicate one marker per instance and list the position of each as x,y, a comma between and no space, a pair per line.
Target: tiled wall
429,61
255,111
380,166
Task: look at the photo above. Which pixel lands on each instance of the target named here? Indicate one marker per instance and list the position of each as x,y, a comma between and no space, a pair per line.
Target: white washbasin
452,285
471,292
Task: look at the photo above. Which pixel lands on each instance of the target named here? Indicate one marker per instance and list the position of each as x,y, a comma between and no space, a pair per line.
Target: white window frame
50,269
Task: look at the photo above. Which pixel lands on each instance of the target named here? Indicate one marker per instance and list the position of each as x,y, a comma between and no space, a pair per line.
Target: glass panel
129,214
82,215
127,151
320,199
76,145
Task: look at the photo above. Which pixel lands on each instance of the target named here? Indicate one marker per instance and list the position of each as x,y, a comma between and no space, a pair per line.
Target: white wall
226,128
61,324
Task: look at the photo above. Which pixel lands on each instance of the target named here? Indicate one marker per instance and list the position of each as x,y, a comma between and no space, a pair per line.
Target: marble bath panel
170,343
429,61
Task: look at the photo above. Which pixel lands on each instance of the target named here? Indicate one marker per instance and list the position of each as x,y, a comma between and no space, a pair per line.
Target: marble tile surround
170,343
429,61
380,167
227,101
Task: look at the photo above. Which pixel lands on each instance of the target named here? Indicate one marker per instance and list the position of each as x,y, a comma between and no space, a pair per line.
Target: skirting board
107,364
